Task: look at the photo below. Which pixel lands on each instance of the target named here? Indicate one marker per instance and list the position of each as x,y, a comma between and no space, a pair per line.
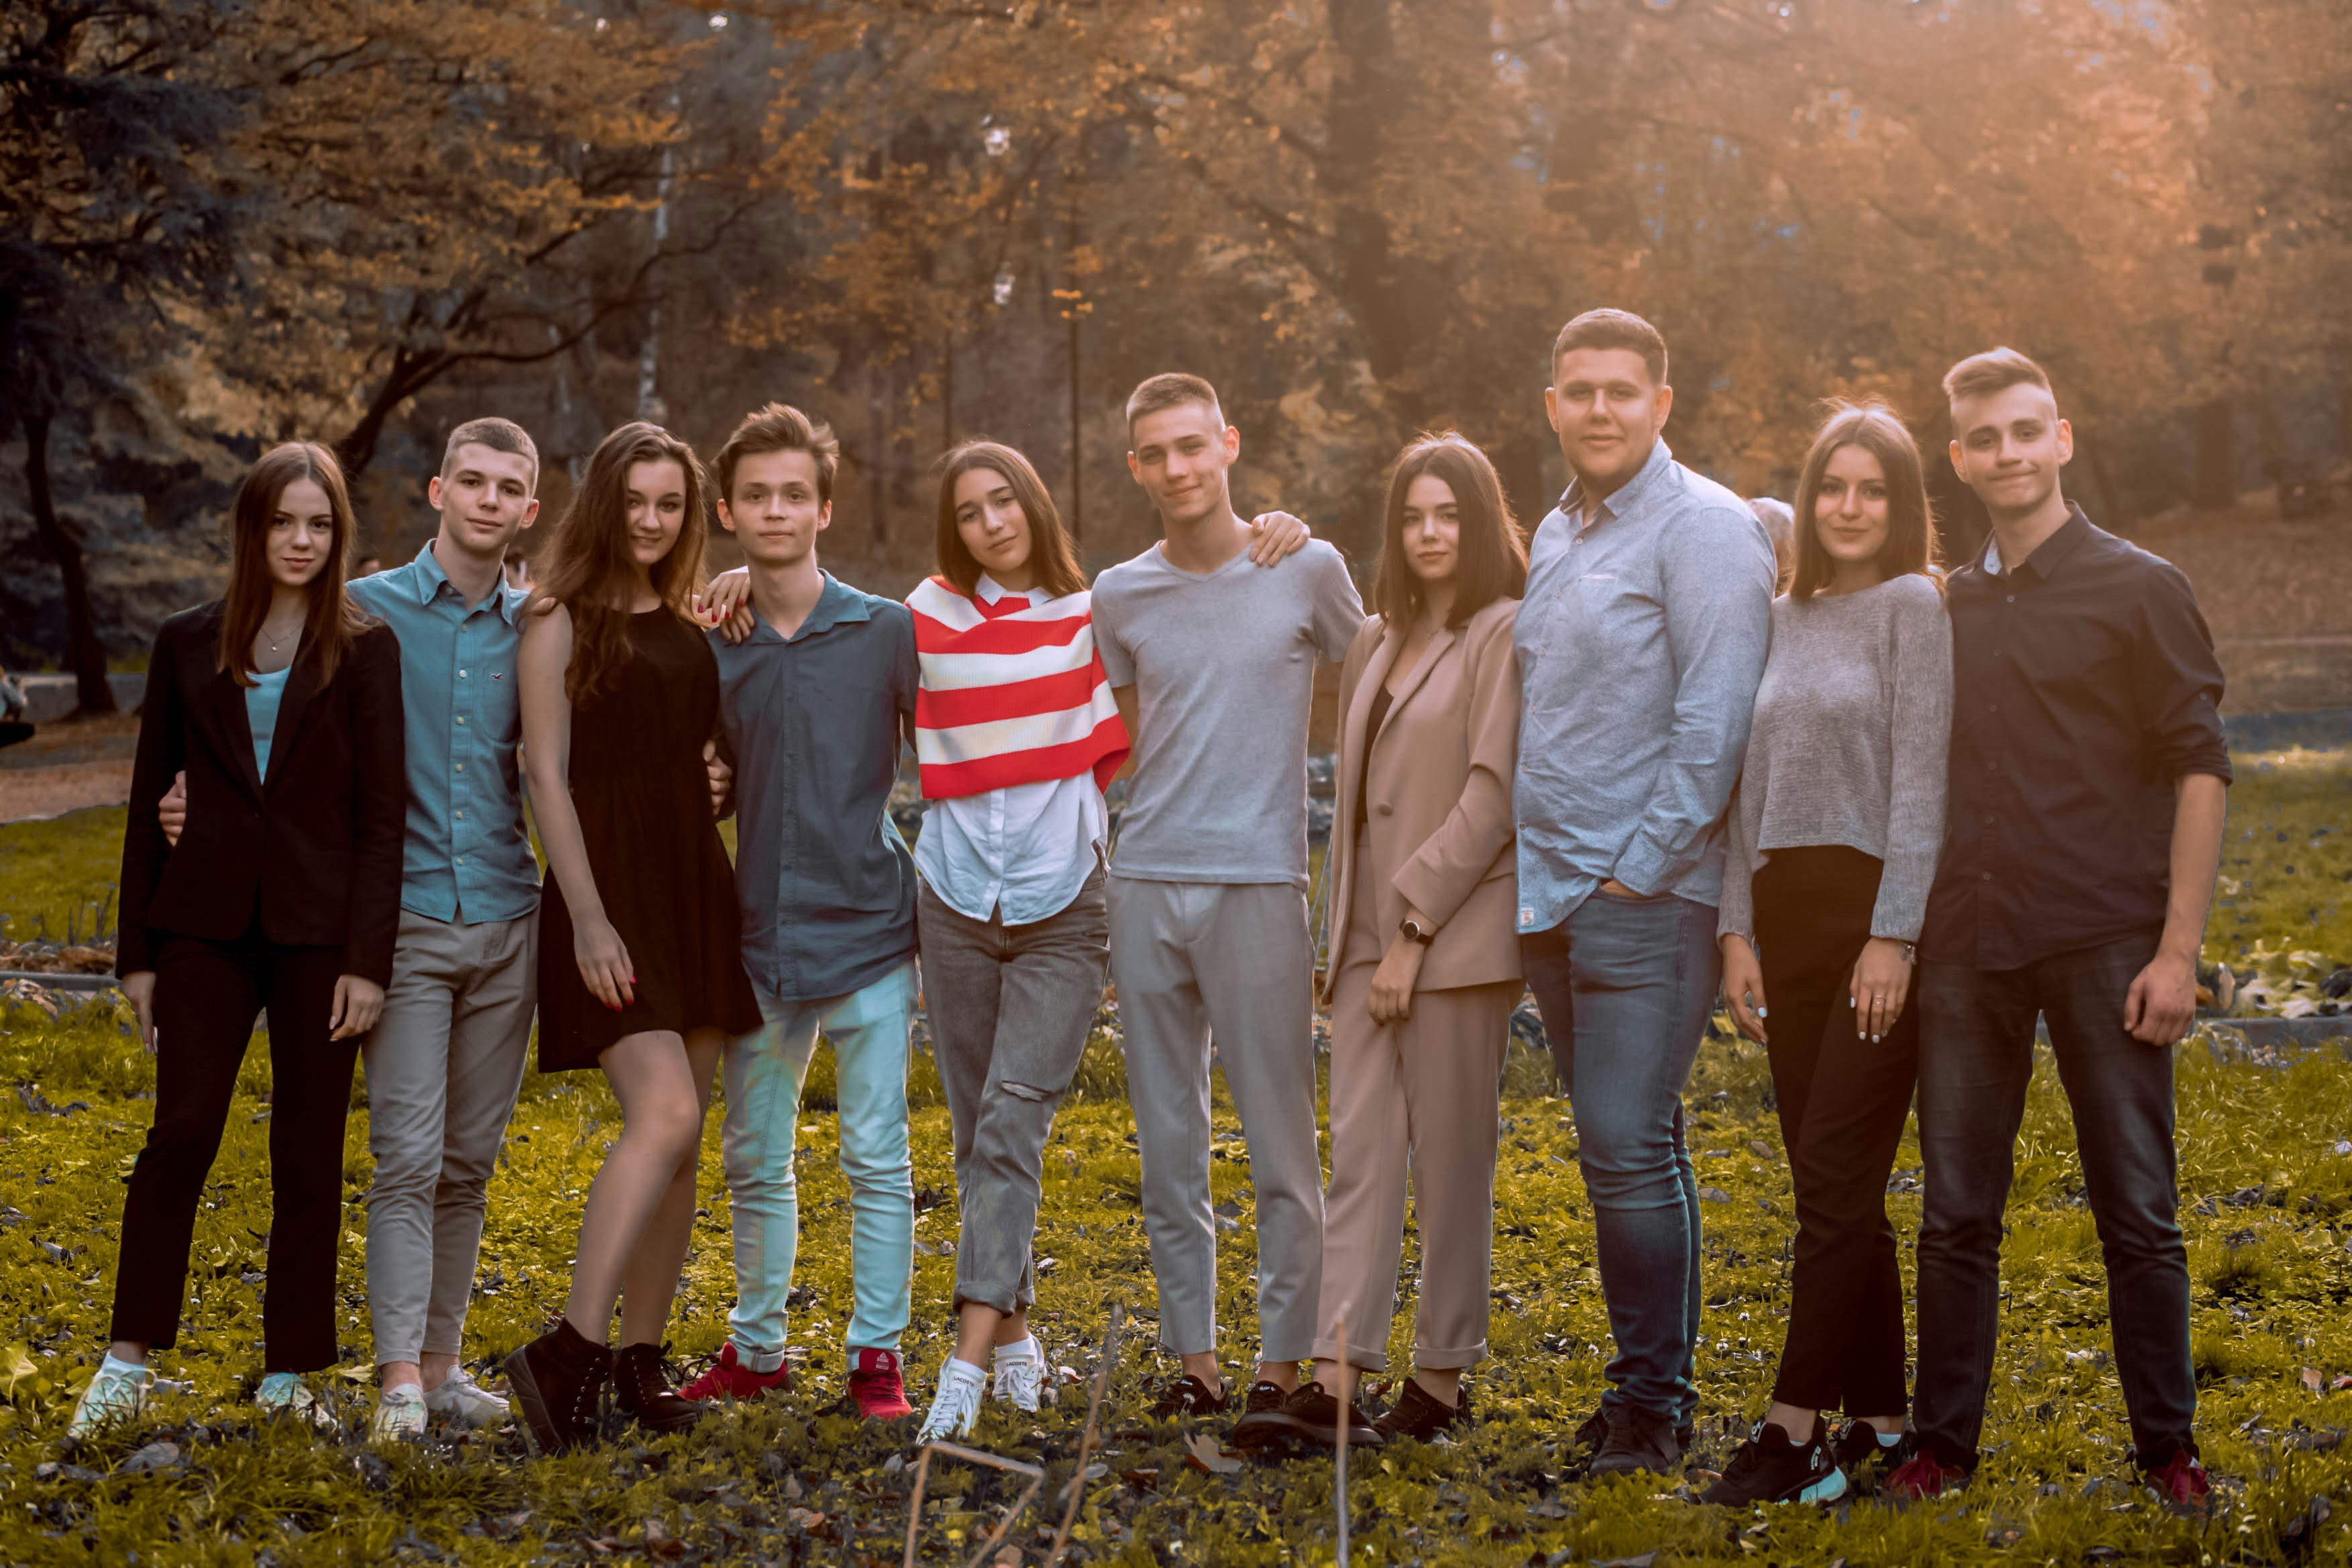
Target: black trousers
1976,1061
206,997
1842,1102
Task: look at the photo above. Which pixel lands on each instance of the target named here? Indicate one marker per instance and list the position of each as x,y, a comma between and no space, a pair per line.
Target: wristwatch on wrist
1414,931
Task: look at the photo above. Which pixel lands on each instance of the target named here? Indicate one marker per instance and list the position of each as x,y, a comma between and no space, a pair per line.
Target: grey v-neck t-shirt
1224,668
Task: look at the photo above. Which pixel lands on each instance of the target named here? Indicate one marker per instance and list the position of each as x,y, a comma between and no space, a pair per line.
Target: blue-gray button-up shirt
467,856
814,722
1641,642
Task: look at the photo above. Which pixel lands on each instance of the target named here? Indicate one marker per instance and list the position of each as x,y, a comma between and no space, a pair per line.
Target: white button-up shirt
1022,851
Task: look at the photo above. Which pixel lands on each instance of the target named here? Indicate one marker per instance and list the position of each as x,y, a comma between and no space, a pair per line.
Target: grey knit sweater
1852,724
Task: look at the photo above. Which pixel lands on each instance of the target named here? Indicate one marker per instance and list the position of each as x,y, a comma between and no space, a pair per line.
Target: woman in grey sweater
1835,833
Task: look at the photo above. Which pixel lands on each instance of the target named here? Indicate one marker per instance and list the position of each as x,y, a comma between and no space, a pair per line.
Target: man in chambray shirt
1641,642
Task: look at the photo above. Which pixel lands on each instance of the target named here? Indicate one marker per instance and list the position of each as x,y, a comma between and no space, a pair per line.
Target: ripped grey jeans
1009,1008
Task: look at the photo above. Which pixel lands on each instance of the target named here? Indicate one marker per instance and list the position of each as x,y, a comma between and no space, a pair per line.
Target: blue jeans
765,1068
1976,1058
1625,986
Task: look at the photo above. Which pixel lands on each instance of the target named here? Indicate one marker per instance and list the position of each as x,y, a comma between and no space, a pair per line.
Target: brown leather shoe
641,1391
1420,1415
557,1382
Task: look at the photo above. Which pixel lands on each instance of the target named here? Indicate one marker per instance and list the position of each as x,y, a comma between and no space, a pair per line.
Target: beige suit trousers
1417,1100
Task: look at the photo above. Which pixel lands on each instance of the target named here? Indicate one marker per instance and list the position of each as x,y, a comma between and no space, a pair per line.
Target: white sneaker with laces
1021,1374
115,1394
399,1415
285,1394
955,1408
460,1398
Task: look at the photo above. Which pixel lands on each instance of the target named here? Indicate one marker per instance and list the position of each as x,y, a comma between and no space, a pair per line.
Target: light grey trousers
1010,1009
1231,960
444,1062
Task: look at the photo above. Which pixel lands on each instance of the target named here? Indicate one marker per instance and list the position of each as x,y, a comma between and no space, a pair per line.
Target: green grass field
2266,1179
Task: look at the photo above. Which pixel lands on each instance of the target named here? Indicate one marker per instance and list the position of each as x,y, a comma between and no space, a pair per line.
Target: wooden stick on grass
1035,1473
1086,1440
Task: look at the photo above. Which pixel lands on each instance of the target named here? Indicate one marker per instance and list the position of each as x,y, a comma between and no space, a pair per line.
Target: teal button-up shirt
469,857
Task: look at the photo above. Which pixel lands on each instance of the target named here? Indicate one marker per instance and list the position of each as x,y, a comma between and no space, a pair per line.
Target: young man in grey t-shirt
1213,663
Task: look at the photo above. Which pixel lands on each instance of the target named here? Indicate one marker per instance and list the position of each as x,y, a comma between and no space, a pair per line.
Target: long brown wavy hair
335,617
588,568
1491,562
1911,543
1050,550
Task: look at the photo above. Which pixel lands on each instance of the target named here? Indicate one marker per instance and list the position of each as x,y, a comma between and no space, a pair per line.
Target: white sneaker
955,1408
460,1398
1021,1374
399,1415
115,1394
285,1394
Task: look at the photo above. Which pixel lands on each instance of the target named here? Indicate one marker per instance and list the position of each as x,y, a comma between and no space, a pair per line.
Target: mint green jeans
869,1031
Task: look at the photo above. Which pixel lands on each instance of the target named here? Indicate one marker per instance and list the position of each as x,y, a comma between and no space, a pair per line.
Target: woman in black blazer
280,705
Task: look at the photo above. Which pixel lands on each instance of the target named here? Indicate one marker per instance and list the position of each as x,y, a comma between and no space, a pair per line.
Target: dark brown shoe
1188,1396
1639,1439
1594,1432
1419,1415
641,1391
557,1384
1309,1416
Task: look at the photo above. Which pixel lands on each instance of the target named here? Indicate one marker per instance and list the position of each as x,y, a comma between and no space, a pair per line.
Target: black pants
206,997
1976,1059
1842,1101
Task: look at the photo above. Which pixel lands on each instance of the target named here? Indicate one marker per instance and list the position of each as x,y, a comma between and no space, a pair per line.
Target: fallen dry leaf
1203,1452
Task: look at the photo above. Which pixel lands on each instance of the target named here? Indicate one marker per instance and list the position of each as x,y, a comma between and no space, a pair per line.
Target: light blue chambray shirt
467,857
1641,642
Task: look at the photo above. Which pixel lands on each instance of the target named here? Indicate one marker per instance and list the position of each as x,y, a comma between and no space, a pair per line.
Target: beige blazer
1439,827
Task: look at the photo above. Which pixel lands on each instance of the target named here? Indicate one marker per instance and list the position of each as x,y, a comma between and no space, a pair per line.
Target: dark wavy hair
334,617
1050,550
1492,558
1911,541
588,570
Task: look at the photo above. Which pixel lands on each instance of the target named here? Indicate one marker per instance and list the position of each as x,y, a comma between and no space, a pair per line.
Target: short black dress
644,803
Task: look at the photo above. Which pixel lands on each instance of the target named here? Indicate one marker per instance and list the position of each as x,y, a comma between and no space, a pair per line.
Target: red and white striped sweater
1013,692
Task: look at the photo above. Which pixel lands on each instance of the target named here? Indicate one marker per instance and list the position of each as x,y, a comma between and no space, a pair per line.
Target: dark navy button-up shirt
467,856
814,722
2083,685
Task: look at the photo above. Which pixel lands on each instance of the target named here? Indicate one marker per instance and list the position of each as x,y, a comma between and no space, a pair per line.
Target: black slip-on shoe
1419,1415
1638,1439
1769,1468
1310,1415
556,1384
1188,1396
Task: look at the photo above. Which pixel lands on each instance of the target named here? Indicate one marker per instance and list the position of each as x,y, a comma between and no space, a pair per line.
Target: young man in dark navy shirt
2089,779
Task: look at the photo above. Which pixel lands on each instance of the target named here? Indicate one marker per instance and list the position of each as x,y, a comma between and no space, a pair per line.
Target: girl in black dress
640,965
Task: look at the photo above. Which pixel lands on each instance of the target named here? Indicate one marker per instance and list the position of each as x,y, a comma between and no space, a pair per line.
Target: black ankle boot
557,1381
642,1391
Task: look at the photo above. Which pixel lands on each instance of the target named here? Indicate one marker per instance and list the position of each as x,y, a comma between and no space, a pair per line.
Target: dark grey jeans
1976,1058
1010,1007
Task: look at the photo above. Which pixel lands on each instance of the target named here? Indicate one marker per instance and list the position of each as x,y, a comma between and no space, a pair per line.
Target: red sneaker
1921,1475
729,1376
874,1385
2181,1485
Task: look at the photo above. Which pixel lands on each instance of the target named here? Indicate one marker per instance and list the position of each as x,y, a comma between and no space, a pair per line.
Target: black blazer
315,855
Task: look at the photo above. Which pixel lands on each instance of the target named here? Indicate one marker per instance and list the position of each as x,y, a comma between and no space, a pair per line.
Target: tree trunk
2215,486
2115,516
84,654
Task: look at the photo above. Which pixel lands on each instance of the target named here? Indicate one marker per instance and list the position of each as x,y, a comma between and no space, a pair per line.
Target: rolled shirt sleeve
2177,681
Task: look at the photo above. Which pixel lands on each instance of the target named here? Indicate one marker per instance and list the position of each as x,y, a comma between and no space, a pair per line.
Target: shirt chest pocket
1603,617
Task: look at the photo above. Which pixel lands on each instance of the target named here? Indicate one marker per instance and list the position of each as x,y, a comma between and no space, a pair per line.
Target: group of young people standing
1918,810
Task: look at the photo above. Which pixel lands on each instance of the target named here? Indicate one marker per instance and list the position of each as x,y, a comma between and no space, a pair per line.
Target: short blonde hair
1995,370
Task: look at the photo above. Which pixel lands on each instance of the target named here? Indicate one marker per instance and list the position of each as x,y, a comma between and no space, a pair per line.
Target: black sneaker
1638,1439
1769,1468
1418,1416
1594,1431
1310,1415
556,1383
1263,1395
642,1391
1859,1450
1188,1396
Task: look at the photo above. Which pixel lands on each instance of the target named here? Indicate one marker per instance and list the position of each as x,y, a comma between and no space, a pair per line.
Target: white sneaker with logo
460,1398
955,1408
115,1394
399,1415
1021,1374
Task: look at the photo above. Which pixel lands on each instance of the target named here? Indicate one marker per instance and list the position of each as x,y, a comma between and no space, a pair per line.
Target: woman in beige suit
1424,958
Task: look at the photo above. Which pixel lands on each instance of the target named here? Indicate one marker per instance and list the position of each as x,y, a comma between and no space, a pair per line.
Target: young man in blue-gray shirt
815,701
1641,642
